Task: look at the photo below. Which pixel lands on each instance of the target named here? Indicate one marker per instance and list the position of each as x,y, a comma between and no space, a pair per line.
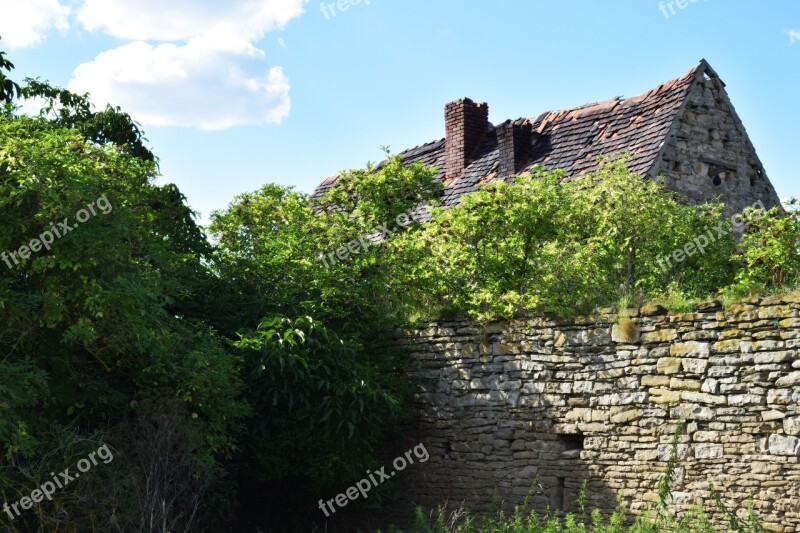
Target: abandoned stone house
686,130
528,410
532,408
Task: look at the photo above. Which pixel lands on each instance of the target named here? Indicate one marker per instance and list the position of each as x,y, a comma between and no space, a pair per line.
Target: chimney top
466,124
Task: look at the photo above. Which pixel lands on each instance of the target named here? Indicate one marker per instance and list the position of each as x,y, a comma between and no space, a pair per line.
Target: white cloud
191,85
184,20
794,36
25,22
192,63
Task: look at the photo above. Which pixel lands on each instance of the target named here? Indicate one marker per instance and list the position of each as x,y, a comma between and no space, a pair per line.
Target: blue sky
237,93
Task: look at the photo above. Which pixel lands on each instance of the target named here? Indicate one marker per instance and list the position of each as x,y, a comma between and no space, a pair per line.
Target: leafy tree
322,408
8,88
636,224
324,383
70,110
91,320
279,243
108,126
769,258
492,254
543,243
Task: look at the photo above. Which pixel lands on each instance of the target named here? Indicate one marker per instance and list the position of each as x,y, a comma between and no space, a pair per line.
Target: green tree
92,286
276,248
545,243
322,378
769,257
8,88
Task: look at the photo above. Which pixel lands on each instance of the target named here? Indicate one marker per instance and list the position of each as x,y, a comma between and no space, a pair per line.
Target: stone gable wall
709,157
535,406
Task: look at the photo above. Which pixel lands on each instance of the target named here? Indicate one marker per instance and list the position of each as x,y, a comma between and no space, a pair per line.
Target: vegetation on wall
568,247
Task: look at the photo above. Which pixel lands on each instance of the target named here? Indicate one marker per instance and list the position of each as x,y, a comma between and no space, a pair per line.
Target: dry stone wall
533,407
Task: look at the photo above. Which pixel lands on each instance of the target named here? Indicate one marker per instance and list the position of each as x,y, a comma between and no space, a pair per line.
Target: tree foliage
91,324
545,243
769,258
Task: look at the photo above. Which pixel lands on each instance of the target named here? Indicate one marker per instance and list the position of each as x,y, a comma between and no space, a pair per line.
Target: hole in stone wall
571,442
717,180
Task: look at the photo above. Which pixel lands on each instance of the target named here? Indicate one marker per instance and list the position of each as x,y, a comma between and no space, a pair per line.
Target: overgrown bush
543,243
94,327
769,258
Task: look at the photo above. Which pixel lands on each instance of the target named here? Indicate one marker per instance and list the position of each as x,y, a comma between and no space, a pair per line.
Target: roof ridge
702,66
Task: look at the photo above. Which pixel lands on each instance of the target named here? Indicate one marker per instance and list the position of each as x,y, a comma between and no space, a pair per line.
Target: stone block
664,396
779,397
792,380
685,384
655,381
626,416
791,425
768,358
693,412
784,445
690,349
695,366
708,451
661,335
738,400
668,365
702,397
728,346
710,386
664,451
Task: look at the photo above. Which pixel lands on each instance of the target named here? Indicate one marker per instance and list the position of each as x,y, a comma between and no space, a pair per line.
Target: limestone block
702,397
792,380
664,396
708,451
784,445
685,384
690,349
695,366
791,425
693,412
669,365
655,381
767,358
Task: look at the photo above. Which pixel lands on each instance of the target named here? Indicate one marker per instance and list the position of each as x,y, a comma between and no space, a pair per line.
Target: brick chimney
466,124
514,141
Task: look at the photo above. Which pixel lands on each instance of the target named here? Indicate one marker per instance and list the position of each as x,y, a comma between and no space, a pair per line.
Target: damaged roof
572,139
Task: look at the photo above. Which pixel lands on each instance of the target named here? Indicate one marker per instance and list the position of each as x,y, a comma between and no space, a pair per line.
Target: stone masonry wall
536,406
709,155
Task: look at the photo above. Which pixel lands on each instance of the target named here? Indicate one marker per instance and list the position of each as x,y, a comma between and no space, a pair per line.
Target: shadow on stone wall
531,408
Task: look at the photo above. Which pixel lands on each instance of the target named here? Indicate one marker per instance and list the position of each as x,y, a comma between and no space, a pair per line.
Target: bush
544,244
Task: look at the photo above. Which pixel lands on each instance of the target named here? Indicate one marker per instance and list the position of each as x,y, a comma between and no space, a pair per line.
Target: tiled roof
574,139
